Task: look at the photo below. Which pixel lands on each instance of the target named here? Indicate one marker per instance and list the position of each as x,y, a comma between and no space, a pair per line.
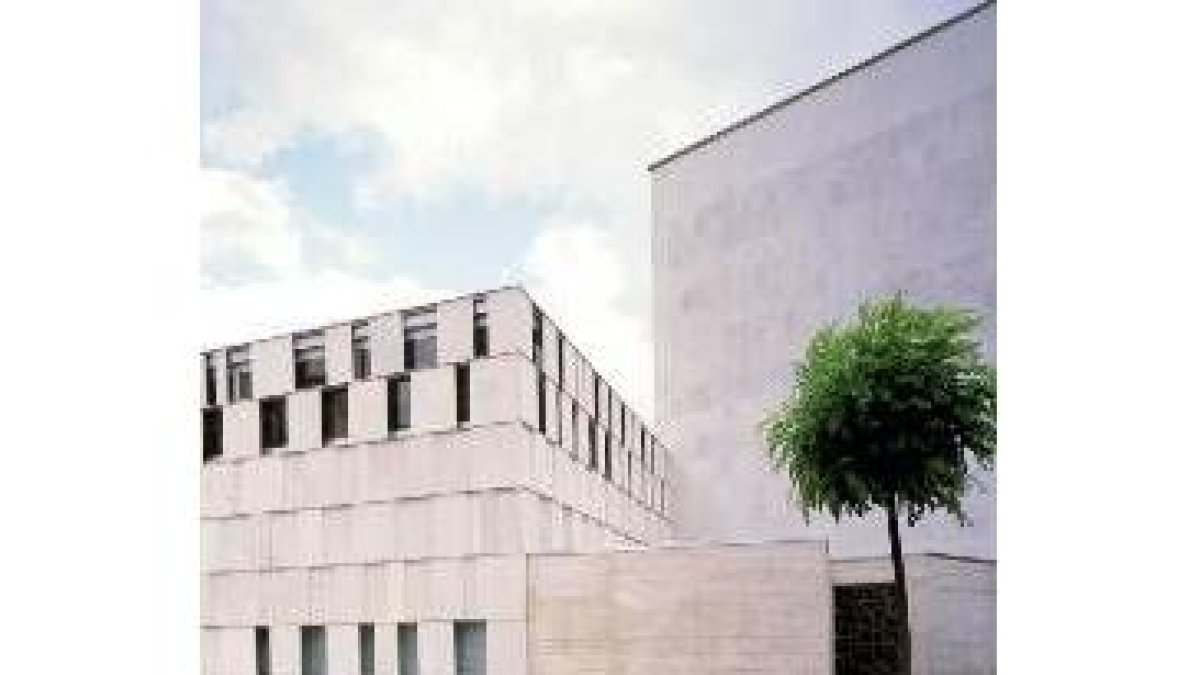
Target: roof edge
754,117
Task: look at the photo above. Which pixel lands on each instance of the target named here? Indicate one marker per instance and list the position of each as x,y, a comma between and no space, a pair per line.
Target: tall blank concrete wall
882,181
715,609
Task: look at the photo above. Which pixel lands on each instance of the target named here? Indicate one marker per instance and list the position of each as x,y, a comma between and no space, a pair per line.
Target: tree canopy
886,412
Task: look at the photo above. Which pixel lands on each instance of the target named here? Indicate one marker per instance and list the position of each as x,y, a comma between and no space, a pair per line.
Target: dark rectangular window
366,649
629,468
406,644
312,650
420,339
212,433
210,381
608,455
272,418
642,458
561,359
470,648
480,327
622,425
541,402
237,369
399,403
335,413
309,352
262,651
537,337
593,457
596,396
462,393
360,345
653,453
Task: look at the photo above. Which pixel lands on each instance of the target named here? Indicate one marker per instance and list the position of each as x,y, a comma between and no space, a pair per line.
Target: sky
361,156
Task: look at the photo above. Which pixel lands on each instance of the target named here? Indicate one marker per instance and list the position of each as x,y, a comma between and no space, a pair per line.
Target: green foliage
888,408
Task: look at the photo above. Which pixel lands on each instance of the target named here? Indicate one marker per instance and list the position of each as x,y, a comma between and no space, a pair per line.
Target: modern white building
454,489
880,179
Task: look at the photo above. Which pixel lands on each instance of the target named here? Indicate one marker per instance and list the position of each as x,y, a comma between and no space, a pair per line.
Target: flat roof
936,28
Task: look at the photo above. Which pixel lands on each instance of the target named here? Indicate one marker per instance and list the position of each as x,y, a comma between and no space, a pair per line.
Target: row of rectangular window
335,416
308,353
470,649
335,413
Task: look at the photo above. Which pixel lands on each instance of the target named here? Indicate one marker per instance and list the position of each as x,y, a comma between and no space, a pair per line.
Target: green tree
886,413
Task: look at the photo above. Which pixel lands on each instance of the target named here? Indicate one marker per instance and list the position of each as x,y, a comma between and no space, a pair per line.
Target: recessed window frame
335,414
399,403
420,339
239,374
462,393
360,349
308,355
273,424
213,433
480,331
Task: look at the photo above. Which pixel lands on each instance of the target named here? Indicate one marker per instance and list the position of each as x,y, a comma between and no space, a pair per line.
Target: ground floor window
312,650
470,648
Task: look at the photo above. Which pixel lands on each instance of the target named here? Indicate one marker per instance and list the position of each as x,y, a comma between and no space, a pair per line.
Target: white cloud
576,273
562,102
247,221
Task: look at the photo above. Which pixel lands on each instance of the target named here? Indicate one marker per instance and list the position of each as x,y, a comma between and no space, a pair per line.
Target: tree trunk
904,639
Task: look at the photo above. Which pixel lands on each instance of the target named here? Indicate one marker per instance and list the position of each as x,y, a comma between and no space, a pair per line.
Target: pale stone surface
711,609
339,359
455,341
884,180
273,366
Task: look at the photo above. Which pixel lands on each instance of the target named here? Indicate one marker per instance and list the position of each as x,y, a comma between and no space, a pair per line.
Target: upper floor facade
472,361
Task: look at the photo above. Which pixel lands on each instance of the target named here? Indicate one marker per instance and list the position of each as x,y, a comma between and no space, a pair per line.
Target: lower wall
762,608
952,609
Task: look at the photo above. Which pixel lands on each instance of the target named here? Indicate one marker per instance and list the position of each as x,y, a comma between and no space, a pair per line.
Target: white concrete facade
881,180
425,525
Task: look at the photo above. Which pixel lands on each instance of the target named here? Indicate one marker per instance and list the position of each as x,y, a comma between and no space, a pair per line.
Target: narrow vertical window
607,455
642,458
308,349
480,326
360,345
462,393
212,433
653,453
399,403
595,396
593,457
210,380
262,651
272,417
622,424
541,402
420,339
366,649
237,369
561,359
334,414
406,647
312,650
537,337
470,648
